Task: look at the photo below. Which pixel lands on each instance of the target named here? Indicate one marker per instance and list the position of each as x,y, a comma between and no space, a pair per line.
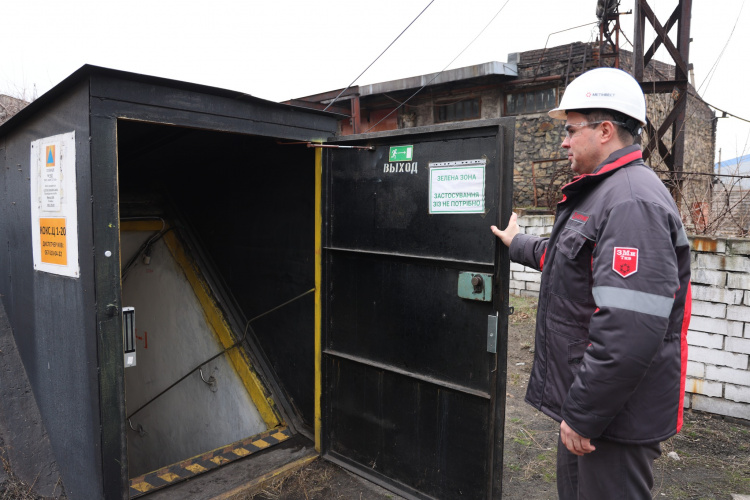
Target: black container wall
68,330
53,317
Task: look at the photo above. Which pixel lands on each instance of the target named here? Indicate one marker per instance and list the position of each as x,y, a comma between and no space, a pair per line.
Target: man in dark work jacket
614,304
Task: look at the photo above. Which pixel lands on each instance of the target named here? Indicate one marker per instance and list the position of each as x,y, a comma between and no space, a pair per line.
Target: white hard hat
604,88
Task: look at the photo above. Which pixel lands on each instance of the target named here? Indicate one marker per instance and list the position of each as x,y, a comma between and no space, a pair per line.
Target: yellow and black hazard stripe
202,463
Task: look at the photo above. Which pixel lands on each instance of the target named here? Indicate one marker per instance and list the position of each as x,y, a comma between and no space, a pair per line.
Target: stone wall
9,106
718,370
536,181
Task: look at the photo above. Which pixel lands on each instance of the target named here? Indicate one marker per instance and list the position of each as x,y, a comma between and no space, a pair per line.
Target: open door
415,304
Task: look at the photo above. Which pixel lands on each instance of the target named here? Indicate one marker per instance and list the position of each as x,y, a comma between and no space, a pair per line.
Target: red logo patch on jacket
625,261
579,217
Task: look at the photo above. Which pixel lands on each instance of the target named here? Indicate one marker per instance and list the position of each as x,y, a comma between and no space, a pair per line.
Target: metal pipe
319,145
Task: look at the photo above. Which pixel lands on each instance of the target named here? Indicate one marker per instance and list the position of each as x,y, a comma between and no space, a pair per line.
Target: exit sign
400,153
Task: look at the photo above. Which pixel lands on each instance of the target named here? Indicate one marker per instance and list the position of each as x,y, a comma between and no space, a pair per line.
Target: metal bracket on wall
492,334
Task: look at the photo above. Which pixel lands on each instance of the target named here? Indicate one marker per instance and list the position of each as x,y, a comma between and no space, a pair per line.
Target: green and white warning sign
457,187
400,153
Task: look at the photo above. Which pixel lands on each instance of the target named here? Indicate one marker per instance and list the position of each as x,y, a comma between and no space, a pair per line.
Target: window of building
467,109
532,101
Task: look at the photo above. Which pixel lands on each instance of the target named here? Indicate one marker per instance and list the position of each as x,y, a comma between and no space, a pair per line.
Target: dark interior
248,201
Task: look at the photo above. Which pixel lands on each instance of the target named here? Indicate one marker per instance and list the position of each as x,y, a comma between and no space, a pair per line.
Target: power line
712,71
726,112
442,70
381,54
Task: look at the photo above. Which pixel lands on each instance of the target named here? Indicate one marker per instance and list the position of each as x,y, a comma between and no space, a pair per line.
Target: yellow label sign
52,237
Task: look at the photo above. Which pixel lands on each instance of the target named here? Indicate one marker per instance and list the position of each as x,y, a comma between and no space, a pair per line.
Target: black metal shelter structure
395,366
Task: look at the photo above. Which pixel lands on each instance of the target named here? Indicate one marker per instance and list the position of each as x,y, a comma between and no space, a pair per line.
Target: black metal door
413,396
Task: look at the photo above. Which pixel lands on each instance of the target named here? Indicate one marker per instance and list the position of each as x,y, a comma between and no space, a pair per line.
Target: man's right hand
510,232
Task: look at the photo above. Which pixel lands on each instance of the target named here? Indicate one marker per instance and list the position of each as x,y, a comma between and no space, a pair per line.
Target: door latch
492,334
475,286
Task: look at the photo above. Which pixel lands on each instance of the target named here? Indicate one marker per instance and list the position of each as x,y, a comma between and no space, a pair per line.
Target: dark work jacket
614,305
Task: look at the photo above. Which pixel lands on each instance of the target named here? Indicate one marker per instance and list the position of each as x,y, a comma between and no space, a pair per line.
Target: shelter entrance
218,259
216,245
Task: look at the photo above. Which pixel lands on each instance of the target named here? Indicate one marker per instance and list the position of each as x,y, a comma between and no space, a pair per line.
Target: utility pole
607,11
678,87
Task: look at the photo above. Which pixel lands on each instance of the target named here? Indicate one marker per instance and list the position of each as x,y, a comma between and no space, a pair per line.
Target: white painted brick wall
528,276
713,325
738,313
737,280
703,386
695,369
718,295
709,309
723,262
718,370
525,280
737,345
701,339
720,406
517,285
740,394
724,374
737,247
515,266
717,357
708,277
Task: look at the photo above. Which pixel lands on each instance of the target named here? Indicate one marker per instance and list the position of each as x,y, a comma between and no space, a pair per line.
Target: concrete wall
173,336
718,372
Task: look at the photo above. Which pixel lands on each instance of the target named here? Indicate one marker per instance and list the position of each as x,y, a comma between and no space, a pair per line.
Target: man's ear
609,132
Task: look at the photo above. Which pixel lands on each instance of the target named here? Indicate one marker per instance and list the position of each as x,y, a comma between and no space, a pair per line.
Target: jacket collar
616,160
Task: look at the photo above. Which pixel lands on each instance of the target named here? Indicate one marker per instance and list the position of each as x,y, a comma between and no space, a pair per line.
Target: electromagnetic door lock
128,333
475,286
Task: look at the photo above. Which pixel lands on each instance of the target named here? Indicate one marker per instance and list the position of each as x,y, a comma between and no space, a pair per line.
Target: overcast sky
280,49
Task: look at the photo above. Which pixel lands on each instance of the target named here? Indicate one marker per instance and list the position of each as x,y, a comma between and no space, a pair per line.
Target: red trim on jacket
684,353
623,160
541,261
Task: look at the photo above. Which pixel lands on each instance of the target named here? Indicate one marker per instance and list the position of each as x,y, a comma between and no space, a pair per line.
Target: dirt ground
712,454
712,459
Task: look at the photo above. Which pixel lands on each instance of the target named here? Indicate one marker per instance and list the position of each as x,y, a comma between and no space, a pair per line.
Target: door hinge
492,334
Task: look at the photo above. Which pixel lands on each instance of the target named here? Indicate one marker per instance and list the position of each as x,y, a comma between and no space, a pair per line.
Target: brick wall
718,378
718,371
525,280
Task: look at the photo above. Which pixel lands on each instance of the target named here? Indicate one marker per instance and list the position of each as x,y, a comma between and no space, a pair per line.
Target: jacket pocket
570,243
576,350
565,352
572,276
